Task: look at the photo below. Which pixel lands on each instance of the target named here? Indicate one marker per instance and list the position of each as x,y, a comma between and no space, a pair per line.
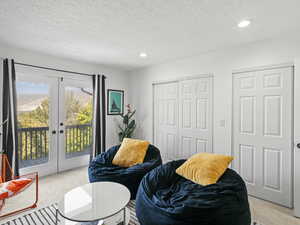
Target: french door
54,121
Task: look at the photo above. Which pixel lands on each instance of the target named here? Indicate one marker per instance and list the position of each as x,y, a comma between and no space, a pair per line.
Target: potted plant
126,130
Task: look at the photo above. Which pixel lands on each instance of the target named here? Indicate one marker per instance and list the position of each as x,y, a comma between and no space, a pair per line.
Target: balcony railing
78,140
33,143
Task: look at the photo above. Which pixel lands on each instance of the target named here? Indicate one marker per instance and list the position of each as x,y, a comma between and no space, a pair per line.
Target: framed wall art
115,102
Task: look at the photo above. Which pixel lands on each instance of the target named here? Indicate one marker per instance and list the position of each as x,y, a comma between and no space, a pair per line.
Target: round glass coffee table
93,203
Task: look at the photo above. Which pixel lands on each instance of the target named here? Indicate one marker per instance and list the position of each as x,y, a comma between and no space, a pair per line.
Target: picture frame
115,102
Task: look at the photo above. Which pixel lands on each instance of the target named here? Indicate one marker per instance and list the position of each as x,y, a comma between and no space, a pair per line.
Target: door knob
61,131
54,132
298,145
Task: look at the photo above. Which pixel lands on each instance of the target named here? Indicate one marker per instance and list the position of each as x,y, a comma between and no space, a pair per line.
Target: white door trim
266,67
182,78
296,190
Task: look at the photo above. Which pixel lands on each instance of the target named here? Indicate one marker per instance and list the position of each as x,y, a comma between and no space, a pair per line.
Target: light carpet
46,216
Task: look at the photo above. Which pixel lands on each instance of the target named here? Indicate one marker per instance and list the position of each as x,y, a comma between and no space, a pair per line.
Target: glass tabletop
94,201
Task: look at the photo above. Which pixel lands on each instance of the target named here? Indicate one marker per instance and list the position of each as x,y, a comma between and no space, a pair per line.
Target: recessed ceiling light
143,55
244,23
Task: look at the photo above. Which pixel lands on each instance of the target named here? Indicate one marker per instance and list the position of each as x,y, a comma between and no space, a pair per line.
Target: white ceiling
114,32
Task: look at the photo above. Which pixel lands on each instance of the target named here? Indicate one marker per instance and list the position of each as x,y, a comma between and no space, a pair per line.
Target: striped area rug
46,216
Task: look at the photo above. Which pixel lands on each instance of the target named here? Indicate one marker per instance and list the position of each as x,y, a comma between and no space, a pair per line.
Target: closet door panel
183,117
195,115
166,119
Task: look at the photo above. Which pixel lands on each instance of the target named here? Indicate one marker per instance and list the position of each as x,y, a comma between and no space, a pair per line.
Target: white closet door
166,119
195,116
262,142
183,117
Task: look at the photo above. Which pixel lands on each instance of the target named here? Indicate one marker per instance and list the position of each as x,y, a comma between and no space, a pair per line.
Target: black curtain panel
103,109
9,116
99,116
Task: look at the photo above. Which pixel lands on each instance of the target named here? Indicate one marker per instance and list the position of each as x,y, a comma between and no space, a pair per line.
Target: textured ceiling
114,32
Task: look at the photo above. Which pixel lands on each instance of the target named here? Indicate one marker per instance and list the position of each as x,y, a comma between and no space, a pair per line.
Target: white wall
220,64
116,78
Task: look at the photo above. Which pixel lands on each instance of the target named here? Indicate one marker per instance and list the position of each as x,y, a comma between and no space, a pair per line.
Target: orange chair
7,175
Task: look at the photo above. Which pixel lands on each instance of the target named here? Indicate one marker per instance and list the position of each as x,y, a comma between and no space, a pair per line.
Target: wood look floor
53,187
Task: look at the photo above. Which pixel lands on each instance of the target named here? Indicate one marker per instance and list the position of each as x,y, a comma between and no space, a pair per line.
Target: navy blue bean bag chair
102,169
165,198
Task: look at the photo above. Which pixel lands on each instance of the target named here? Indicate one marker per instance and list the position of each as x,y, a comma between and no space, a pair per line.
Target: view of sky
40,88
32,88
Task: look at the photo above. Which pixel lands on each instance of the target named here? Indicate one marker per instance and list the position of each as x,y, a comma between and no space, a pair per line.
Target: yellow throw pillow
131,152
204,168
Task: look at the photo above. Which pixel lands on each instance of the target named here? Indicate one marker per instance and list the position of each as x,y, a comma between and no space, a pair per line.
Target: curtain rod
49,68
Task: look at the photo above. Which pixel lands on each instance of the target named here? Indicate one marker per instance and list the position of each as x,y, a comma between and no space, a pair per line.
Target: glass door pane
78,127
76,112
33,123
36,100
